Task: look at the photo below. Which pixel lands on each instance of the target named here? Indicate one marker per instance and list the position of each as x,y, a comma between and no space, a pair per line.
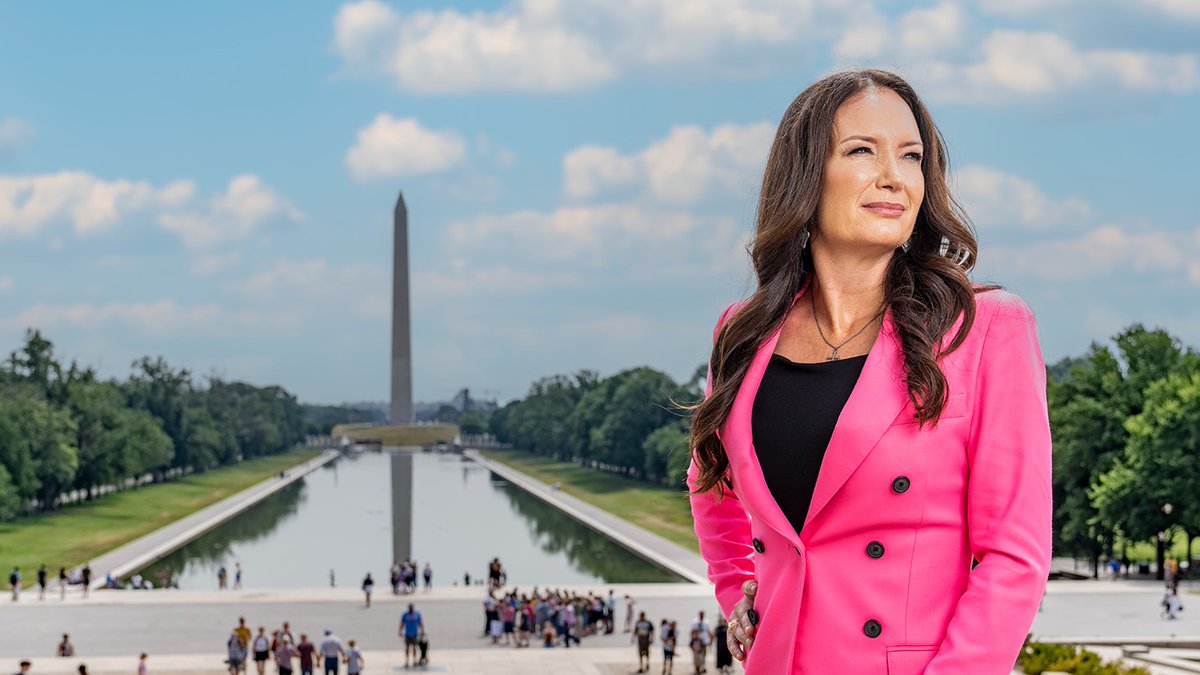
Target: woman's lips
888,209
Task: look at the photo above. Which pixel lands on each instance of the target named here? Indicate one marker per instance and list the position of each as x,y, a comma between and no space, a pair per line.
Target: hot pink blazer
879,579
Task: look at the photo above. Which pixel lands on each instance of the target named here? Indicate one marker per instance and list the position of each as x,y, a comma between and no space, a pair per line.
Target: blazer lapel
879,396
738,438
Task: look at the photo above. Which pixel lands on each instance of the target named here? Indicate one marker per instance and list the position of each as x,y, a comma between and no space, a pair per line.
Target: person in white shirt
331,650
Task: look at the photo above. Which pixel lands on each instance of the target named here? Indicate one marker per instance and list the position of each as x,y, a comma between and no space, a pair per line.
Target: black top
795,411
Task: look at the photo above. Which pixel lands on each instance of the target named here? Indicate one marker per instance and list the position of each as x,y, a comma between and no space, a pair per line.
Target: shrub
1037,657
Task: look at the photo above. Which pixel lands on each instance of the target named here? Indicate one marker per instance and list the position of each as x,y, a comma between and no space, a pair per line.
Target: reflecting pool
341,518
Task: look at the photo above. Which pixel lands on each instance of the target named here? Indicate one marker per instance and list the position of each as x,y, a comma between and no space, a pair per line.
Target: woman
874,422
721,641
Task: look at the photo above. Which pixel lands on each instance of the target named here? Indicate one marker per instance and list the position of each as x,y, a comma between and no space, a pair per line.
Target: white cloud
30,203
155,318
321,288
547,45
591,246
1014,65
14,133
932,29
995,199
232,216
399,148
683,168
1103,251
1026,9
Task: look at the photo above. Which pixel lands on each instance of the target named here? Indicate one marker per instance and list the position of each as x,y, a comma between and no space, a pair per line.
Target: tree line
629,423
64,431
1125,422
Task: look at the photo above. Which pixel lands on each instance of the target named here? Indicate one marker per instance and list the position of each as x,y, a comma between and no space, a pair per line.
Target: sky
213,182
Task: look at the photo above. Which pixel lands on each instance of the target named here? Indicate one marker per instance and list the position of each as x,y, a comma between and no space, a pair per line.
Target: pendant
833,356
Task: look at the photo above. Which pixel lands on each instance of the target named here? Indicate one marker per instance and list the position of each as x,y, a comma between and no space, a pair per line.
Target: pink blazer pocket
906,660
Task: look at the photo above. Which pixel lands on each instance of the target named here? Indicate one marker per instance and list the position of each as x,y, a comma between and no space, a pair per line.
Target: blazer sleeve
1008,500
722,527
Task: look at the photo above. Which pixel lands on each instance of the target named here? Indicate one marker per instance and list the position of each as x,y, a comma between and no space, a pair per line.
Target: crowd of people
284,650
554,617
82,576
700,639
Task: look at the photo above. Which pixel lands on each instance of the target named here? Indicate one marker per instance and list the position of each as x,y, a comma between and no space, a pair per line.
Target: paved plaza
184,631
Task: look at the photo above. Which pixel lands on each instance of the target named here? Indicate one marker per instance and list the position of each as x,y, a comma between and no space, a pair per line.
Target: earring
960,255
906,245
803,238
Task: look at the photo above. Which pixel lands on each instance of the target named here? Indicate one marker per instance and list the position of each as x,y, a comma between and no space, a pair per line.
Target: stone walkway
667,554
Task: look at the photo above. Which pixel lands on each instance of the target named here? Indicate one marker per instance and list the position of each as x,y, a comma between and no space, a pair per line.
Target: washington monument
402,407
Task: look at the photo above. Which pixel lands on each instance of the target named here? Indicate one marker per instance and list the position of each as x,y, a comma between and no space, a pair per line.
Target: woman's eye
855,151
916,156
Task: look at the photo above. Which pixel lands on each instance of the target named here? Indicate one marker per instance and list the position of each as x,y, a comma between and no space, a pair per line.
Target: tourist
332,650
643,635
466,578
237,576
508,616
368,585
863,264
1170,603
724,656
524,623
568,623
549,635
62,583
610,612
285,654
354,659
495,574
332,583
489,613
628,613
86,578
307,652
699,649
25,666
701,627
41,577
235,651
668,646
427,573
262,650
65,648
141,669
14,583
286,632
394,577
222,576
423,648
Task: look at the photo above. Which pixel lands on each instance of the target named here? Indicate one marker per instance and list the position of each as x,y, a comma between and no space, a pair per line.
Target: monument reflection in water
349,516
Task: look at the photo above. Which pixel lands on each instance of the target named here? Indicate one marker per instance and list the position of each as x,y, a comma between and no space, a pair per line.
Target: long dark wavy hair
926,288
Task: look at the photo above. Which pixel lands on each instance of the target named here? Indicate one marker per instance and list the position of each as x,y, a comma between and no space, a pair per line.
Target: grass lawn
85,530
661,510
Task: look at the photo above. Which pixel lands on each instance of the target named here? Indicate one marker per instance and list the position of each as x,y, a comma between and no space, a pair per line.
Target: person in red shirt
306,650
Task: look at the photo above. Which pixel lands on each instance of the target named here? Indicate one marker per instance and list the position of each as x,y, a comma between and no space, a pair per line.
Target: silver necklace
834,356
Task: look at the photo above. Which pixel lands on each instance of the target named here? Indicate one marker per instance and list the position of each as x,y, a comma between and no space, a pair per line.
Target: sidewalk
141,552
664,553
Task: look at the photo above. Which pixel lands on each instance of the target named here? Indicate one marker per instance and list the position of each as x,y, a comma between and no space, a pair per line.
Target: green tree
1160,466
1090,400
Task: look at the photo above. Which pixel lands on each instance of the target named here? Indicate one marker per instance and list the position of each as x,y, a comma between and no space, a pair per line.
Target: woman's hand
743,622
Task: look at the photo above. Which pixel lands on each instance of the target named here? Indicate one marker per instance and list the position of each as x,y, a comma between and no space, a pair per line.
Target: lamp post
1162,542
